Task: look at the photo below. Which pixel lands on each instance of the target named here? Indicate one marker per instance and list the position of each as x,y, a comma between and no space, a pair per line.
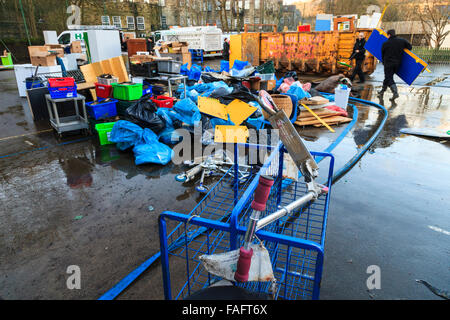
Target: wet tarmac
73,202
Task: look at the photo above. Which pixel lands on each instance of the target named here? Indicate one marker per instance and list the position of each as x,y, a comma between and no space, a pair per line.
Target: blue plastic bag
195,72
278,83
184,69
125,134
150,150
187,111
224,66
257,122
169,135
147,148
240,65
299,92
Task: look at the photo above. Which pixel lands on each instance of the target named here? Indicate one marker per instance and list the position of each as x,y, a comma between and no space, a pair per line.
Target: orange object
135,45
309,52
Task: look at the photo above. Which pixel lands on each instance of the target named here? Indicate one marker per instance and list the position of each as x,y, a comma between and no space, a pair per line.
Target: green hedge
431,55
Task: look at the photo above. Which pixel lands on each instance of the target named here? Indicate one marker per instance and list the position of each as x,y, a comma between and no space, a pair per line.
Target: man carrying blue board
392,51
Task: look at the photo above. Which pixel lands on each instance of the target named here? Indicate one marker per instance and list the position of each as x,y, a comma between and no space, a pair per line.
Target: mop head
224,264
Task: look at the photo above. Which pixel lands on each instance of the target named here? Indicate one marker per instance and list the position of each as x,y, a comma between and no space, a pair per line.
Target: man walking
359,54
226,49
391,52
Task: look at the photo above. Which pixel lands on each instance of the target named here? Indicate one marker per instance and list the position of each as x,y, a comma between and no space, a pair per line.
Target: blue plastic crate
147,90
63,92
104,110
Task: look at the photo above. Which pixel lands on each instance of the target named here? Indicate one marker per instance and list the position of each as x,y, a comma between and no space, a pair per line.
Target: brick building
230,15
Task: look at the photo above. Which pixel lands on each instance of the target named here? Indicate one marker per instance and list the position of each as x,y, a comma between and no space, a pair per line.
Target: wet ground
71,202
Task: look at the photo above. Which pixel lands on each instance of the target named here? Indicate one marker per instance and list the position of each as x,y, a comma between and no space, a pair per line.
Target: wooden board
323,112
329,120
114,66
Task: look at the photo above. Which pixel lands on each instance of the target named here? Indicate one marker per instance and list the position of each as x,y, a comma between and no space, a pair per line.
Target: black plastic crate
146,69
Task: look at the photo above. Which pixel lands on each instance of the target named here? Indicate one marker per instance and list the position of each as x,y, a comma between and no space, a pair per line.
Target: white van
69,36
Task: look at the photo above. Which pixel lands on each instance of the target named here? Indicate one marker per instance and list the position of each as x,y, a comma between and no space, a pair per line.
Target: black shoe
394,91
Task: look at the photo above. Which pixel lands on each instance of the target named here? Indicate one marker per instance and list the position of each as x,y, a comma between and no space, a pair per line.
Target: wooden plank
98,69
118,69
106,67
88,73
334,119
320,112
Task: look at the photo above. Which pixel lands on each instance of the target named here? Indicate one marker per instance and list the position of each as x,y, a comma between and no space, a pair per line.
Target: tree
434,18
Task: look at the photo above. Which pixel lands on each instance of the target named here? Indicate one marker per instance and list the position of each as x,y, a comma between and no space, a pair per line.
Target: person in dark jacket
150,45
392,51
359,54
226,49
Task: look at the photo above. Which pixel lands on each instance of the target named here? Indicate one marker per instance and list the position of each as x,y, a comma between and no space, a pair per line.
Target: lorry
207,39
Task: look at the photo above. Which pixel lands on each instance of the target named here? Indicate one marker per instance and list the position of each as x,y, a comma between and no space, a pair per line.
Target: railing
431,55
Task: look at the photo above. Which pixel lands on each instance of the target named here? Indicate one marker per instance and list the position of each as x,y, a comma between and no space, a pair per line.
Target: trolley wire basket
218,224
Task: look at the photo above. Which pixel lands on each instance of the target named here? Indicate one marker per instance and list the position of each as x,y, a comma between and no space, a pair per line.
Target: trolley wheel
202,189
181,177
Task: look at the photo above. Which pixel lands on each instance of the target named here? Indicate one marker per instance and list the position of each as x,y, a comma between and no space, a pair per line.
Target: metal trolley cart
76,122
218,223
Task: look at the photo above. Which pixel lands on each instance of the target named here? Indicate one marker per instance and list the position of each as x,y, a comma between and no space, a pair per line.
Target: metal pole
25,22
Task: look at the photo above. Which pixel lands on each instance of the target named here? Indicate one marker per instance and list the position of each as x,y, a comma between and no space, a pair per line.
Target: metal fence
431,55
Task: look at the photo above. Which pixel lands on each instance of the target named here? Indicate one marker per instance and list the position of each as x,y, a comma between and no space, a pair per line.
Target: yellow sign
231,134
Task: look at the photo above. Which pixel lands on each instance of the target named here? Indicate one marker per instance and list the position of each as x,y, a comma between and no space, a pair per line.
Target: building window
257,4
117,22
140,23
228,5
130,23
105,21
162,3
247,5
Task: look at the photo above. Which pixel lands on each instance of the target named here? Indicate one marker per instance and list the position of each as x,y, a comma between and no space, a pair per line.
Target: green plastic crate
127,91
7,61
104,130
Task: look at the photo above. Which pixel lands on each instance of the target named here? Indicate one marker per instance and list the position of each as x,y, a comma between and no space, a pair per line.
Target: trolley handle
259,204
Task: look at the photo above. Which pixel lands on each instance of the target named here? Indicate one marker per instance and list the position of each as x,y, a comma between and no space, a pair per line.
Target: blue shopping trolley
218,224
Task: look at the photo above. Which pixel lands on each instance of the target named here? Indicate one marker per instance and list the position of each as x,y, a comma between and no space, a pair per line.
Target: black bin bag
143,113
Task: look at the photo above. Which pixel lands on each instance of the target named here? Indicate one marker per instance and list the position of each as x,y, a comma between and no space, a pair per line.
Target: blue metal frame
227,235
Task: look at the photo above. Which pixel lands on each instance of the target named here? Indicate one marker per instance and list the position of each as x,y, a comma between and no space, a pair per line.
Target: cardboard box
75,47
266,85
43,60
36,50
60,52
141,58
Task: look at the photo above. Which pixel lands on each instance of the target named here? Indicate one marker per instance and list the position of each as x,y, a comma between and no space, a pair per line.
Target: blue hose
344,169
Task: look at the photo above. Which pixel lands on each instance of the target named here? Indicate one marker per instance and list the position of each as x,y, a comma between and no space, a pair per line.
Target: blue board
411,65
323,25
